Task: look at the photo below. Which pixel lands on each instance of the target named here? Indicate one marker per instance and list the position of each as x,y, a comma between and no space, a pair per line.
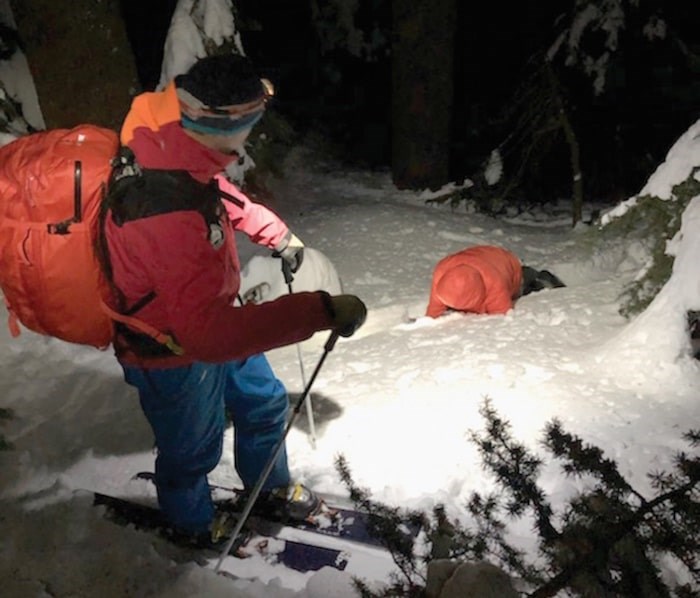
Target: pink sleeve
261,224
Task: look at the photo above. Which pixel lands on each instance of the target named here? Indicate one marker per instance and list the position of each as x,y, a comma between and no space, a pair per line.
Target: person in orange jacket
484,279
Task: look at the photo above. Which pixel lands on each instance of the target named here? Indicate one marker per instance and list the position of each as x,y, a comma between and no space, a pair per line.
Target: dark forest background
652,91
446,82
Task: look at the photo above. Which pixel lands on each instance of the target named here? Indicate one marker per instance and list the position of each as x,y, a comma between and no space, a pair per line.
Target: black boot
549,281
536,280
294,502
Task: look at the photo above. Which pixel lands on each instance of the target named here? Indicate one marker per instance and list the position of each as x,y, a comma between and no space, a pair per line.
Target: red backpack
51,187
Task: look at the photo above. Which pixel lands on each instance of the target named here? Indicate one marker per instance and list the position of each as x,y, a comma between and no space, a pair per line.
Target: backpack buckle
59,228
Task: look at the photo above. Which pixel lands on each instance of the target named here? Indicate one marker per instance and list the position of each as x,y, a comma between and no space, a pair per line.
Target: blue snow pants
186,409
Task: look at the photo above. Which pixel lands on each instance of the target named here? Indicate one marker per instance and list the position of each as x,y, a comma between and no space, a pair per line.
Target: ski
334,521
294,554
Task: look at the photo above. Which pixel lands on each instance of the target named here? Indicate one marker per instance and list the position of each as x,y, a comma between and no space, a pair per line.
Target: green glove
348,313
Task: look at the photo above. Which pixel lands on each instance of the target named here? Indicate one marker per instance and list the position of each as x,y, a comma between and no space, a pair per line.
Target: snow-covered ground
397,400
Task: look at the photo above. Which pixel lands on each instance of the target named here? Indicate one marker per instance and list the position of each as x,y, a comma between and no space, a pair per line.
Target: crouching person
484,279
169,251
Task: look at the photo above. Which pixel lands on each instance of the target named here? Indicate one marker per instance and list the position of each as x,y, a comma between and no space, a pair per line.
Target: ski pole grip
287,272
330,343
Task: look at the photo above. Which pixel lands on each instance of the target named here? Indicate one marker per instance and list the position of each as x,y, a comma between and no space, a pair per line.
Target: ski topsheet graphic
336,521
294,554
337,537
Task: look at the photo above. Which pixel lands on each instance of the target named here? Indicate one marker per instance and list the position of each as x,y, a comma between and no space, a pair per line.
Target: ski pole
288,278
255,492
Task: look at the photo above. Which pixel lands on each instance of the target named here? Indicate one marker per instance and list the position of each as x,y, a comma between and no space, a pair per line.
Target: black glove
291,250
348,313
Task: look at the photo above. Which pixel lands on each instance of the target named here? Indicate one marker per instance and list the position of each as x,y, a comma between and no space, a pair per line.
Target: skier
173,264
484,279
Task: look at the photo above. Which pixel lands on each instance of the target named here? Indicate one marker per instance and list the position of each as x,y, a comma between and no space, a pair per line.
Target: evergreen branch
386,524
692,437
607,546
490,540
609,534
584,458
515,469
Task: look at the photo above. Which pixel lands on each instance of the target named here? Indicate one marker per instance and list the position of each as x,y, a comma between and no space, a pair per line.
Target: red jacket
483,279
195,280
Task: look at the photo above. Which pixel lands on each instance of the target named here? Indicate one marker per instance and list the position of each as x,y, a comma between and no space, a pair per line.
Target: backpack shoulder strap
134,193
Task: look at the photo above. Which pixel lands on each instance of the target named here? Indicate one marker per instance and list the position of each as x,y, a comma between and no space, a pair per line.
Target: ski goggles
222,120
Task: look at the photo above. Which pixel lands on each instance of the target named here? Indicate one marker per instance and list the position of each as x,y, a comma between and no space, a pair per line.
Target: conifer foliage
609,540
389,525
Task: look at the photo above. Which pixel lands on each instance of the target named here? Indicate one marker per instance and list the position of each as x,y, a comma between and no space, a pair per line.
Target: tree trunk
80,60
574,149
422,91
576,174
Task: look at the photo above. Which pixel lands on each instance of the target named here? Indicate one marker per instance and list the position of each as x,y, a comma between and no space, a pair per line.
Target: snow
494,168
398,399
184,45
18,85
680,160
